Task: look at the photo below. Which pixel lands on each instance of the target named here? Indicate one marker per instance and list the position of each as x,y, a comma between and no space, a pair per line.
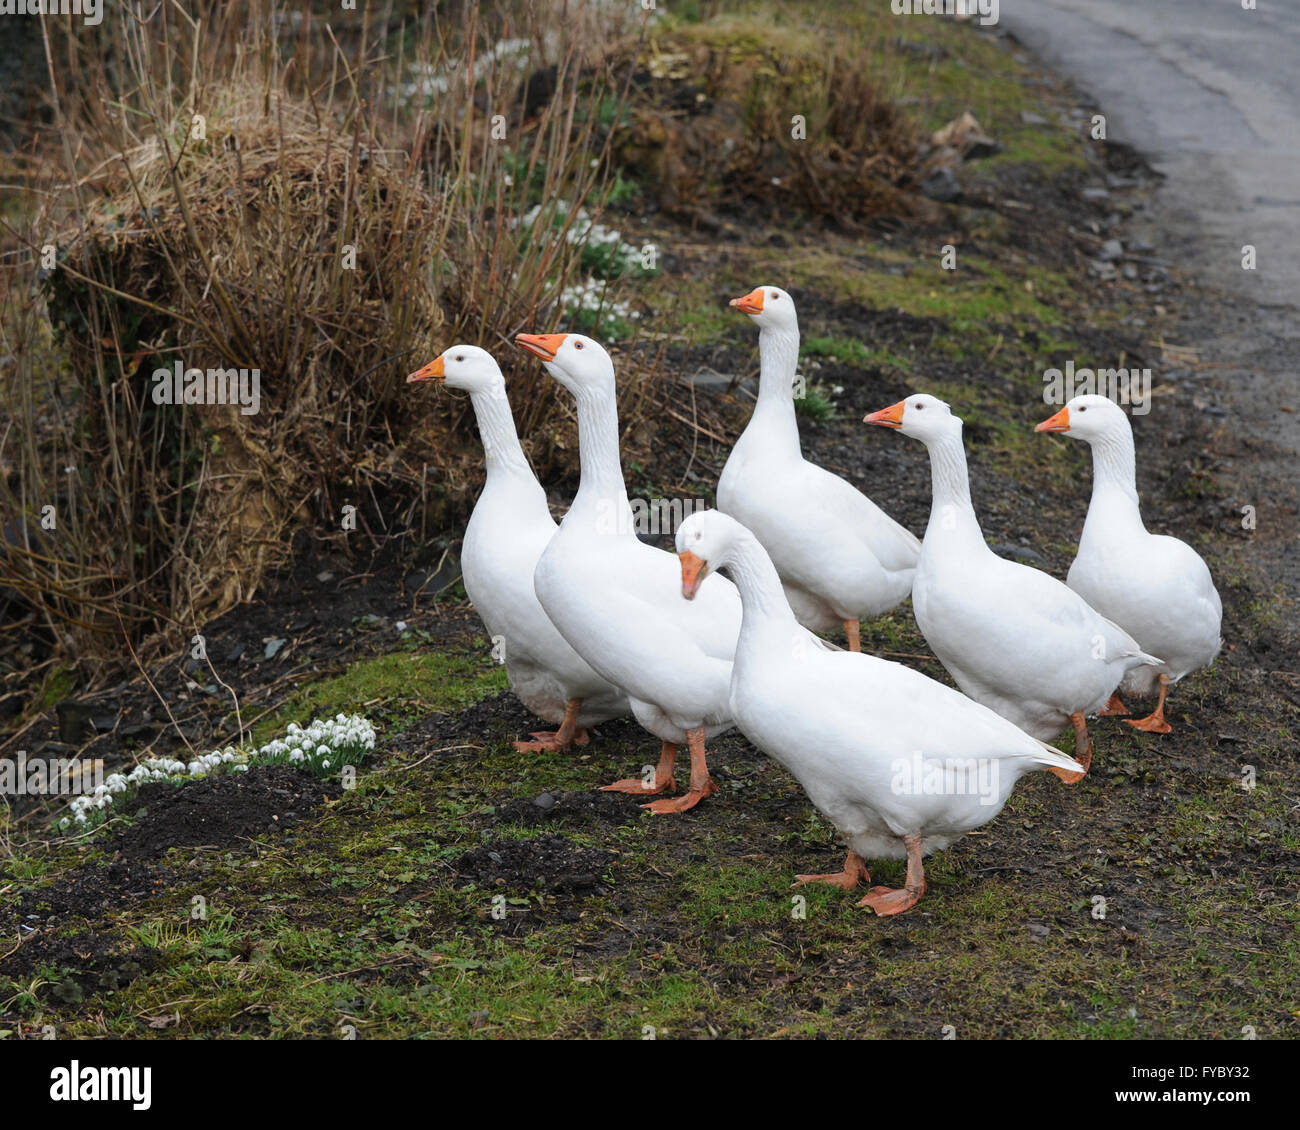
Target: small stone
1023,552
940,184
325,577
1095,194
1032,119
1130,271
545,802
1110,251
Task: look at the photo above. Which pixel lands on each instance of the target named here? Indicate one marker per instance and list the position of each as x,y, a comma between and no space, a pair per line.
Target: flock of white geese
596,623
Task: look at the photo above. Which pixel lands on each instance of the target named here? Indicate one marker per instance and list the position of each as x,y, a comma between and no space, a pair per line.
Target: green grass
850,351
407,683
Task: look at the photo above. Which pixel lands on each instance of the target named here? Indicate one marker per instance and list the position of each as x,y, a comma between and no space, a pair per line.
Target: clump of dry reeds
223,191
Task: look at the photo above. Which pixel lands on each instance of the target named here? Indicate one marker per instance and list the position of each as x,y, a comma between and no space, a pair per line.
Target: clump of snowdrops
323,748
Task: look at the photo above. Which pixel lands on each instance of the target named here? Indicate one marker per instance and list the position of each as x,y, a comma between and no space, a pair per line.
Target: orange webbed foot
855,872
638,786
886,900
580,737
1155,724
545,743
685,802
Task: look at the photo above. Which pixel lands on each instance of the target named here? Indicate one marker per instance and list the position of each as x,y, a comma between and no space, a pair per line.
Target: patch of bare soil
570,810
76,969
548,862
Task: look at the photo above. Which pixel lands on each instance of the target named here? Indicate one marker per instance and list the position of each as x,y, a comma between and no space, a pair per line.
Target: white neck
778,362
952,516
765,611
496,426
1114,472
601,491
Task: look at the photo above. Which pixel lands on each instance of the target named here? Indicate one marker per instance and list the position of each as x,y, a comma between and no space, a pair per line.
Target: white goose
841,558
1013,637
616,599
1154,586
507,531
900,764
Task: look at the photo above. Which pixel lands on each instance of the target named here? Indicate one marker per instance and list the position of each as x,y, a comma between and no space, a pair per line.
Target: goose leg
1155,722
568,734
663,782
701,783
855,871
1082,751
884,900
851,630
1114,706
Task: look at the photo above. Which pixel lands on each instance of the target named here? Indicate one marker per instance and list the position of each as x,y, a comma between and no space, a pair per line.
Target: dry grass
204,182
205,170
744,114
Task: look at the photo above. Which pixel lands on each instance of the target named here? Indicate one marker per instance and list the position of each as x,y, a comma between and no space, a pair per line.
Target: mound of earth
549,862
218,811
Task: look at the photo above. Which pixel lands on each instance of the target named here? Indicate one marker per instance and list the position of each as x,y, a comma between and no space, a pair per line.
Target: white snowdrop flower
324,764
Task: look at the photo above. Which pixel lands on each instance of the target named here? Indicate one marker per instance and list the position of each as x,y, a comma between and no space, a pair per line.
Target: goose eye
1083,408
775,296
577,345
918,407
460,357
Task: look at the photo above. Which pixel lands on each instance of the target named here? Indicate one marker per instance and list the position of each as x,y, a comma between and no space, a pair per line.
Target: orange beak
752,303
544,346
433,371
694,570
1058,423
891,417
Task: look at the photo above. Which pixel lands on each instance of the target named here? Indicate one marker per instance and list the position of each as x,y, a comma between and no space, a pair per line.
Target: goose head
920,416
1087,418
577,362
465,367
705,541
770,308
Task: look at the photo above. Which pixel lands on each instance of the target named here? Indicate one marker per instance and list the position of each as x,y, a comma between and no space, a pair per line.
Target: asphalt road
1211,93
